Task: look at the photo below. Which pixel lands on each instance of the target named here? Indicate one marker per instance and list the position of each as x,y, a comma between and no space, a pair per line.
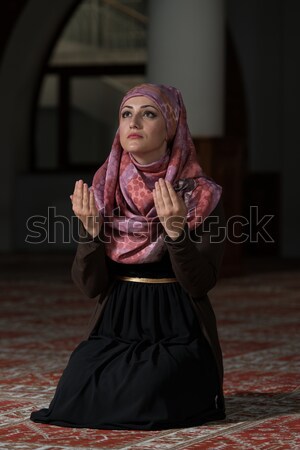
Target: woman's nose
134,122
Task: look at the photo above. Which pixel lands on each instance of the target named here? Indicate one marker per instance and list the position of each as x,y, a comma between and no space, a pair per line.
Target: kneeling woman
151,359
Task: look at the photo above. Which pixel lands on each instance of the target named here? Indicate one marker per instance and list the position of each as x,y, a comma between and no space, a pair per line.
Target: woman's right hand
84,207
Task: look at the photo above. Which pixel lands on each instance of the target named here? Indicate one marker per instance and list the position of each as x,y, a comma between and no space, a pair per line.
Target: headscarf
123,187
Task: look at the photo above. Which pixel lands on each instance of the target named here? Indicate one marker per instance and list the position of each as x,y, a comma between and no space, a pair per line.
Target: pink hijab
123,187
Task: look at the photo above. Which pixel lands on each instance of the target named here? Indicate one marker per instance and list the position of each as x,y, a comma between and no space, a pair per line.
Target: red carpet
43,319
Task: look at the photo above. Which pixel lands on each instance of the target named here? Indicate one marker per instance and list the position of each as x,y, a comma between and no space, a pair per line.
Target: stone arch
27,50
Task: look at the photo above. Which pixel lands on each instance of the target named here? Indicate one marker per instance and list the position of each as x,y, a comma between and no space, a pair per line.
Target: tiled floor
43,317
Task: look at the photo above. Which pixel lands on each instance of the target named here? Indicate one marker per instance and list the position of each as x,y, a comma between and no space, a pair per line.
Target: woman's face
142,130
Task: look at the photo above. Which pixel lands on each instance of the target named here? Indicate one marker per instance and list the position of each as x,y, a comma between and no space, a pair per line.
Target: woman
151,358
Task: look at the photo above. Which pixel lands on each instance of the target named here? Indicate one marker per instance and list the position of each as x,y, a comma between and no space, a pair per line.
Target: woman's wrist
94,232
174,235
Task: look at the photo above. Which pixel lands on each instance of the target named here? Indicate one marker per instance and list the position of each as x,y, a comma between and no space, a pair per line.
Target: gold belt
147,280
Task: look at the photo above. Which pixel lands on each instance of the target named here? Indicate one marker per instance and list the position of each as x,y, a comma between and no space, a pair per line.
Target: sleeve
89,270
196,255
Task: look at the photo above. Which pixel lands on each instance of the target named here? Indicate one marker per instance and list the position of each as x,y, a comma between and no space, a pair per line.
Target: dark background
257,160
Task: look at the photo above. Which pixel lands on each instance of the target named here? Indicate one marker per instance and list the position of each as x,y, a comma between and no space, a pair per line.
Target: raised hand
170,208
84,207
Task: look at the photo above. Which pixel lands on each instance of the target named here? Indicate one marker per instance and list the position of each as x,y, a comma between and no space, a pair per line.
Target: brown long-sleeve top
195,257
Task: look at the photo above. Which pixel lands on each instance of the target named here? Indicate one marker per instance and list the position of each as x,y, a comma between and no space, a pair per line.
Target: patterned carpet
43,317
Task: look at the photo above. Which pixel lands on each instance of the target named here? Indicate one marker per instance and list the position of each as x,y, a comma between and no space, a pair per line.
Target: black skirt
145,366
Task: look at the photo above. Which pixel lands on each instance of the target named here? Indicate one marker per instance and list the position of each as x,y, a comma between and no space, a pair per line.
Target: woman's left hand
170,208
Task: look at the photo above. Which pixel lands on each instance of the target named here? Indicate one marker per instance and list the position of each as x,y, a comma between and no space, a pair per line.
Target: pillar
290,158
186,50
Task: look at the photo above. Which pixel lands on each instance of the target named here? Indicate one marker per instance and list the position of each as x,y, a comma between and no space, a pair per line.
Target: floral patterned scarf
123,187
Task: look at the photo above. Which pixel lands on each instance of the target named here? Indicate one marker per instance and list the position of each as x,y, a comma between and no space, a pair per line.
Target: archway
29,46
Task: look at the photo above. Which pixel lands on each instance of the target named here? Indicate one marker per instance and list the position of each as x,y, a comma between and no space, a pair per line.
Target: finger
93,206
156,204
173,195
165,193
154,197
177,200
85,196
75,189
75,186
77,197
78,193
158,195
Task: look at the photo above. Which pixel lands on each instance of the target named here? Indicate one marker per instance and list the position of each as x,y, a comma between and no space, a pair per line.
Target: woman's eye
125,114
149,114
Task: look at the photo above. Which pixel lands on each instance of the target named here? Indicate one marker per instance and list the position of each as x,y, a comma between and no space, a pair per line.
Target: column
290,158
186,50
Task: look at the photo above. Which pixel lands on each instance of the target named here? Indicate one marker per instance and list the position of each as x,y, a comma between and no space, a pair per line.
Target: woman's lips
134,136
